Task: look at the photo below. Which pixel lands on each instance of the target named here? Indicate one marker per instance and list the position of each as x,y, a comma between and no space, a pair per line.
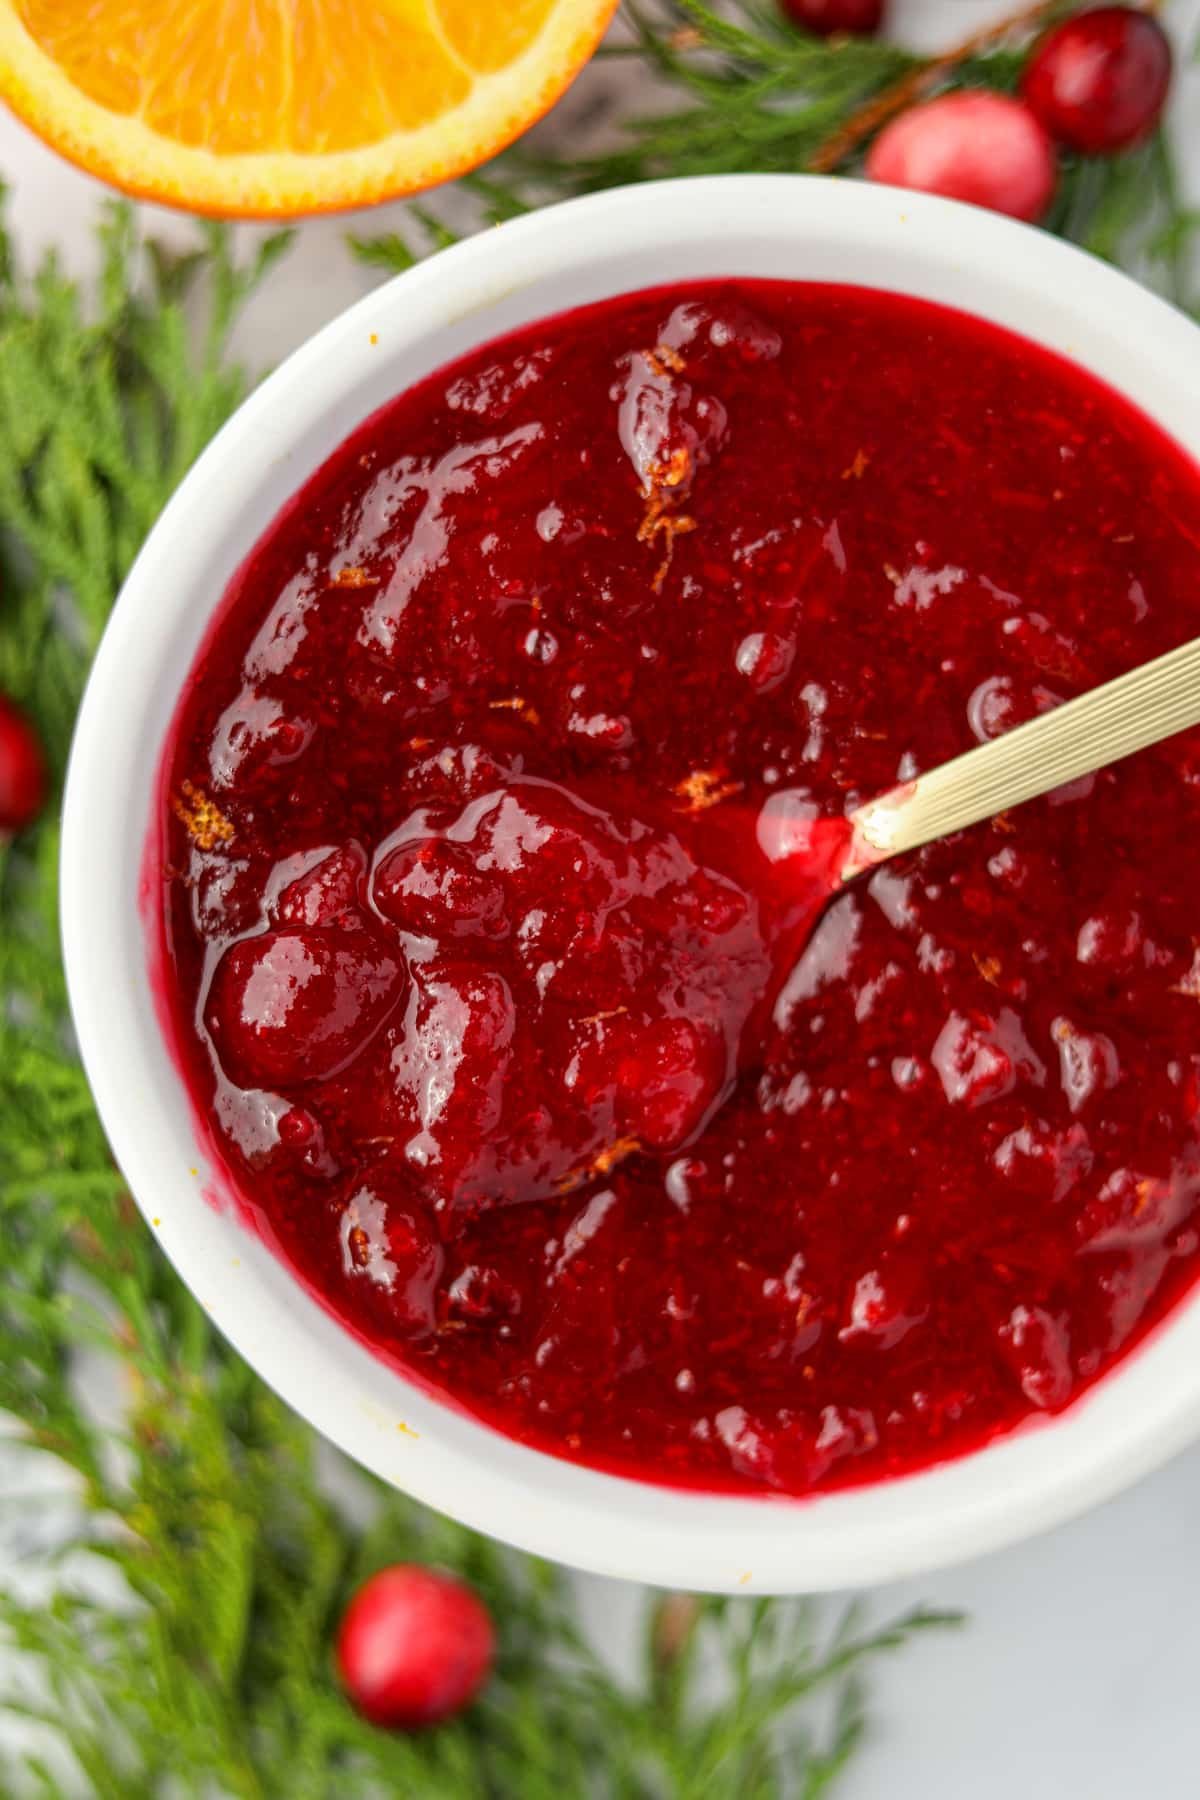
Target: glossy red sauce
507,1029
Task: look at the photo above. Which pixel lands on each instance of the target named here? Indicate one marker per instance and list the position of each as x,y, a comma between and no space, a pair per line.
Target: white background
1077,1676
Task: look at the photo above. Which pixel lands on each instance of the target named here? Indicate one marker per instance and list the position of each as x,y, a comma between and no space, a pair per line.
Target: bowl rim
1139,1414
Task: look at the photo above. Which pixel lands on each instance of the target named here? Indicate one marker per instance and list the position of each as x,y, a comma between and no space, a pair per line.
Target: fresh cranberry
982,147
1099,81
22,770
414,1648
828,17
288,1007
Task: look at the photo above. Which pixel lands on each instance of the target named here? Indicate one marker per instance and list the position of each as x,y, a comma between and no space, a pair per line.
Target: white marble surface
1076,1676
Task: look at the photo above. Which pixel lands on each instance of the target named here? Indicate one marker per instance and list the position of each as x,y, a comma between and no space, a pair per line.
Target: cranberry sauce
508,1033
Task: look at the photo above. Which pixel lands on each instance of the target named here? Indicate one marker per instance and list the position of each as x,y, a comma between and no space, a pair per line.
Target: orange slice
268,108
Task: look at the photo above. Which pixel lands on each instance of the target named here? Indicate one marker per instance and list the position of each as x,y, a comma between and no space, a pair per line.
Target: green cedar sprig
176,1604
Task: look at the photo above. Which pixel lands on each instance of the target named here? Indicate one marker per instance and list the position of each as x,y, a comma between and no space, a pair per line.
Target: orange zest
272,108
201,817
664,485
706,787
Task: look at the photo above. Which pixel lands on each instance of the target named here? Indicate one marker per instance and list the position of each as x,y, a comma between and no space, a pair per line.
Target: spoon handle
1150,703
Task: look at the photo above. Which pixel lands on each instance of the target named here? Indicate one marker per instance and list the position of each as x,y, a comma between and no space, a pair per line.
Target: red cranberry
294,1006
540,839
1111,940
667,430
1088,1063
1043,1162
1036,1346
750,1443
765,658
1098,82
729,328
668,1078
1124,1285
828,17
254,736
1131,1208
415,1647
302,1140
980,1058
297,1128
996,707
887,1302
326,892
603,956
791,1450
706,907
22,770
981,147
389,1244
449,1078
433,888
480,1295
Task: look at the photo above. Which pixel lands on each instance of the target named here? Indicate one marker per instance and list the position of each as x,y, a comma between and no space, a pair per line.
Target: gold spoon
1150,703
815,857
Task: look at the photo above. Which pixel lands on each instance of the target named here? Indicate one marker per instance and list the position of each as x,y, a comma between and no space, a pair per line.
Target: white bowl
790,226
